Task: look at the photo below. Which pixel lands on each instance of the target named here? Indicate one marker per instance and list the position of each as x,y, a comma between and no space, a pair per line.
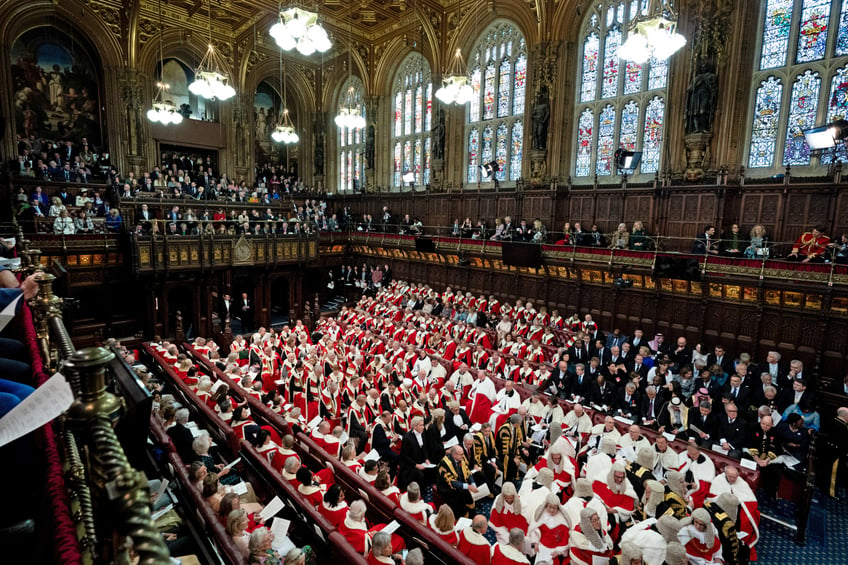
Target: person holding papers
455,482
510,551
590,542
360,537
414,460
14,369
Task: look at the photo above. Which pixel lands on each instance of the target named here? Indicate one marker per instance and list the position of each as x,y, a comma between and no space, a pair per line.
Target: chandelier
350,114
653,34
163,111
298,28
456,88
211,79
284,132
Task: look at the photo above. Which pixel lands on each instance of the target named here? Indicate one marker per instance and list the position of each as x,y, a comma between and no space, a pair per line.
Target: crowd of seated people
394,383
64,213
58,160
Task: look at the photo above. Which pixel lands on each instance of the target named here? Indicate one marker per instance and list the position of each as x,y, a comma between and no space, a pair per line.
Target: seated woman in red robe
358,535
308,487
444,524
549,531
506,514
411,502
383,483
333,507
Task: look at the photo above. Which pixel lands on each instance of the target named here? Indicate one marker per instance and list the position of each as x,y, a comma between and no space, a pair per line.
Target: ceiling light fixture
211,78
299,28
350,109
456,88
164,111
285,131
653,34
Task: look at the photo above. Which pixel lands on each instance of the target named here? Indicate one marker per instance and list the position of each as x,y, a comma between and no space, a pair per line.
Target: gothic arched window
619,103
495,125
352,141
800,81
412,97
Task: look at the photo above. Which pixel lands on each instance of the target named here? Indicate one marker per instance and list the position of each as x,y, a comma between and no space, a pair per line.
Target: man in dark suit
245,309
638,366
581,351
602,392
773,367
579,383
457,422
681,355
382,439
558,381
638,340
615,339
740,394
703,419
705,242
413,461
732,431
225,308
721,358
627,402
793,395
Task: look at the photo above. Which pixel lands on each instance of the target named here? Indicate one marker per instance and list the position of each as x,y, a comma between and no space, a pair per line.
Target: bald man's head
480,524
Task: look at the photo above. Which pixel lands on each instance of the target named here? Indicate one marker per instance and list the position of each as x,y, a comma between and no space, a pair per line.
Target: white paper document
161,512
669,437
623,420
597,560
9,312
314,422
429,465
476,428
162,486
748,464
42,406
718,448
239,488
272,509
280,529
372,455
451,442
482,492
461,524
391,527
230,465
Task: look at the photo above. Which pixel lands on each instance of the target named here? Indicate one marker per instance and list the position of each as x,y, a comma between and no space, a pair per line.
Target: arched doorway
280,302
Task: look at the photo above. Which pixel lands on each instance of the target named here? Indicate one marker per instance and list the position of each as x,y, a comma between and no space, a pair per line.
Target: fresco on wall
266,108
55,82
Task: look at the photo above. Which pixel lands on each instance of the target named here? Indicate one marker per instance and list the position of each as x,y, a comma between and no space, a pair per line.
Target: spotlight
627,160
409,177
826,137
487,171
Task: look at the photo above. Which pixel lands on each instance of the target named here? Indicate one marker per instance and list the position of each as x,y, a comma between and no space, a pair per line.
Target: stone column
131,85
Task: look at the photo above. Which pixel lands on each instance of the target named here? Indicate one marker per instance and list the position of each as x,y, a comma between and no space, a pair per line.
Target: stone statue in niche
701,100
541,117
318,129
438,136
369,147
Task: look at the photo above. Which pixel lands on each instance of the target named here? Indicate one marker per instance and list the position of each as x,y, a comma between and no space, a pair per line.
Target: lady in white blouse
83,222
63,224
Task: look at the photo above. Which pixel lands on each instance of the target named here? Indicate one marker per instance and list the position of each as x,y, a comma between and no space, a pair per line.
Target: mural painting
56,89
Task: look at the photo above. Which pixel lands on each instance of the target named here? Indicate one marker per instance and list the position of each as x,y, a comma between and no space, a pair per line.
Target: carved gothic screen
495,124
352,141
800,81
56,89
619,103
412,97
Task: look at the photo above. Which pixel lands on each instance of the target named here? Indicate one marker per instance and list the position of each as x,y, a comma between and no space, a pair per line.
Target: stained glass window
495,128
802,116
500,152
606,141
837,109
653,136
778,20
516,150
609,87
842,26
766,123
812,37
504,83
632,78
518,91
584,143
658,76
474,106
489,92
398,165
351,141
629,126
398,113
613,102
589,84
414,86
473,154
